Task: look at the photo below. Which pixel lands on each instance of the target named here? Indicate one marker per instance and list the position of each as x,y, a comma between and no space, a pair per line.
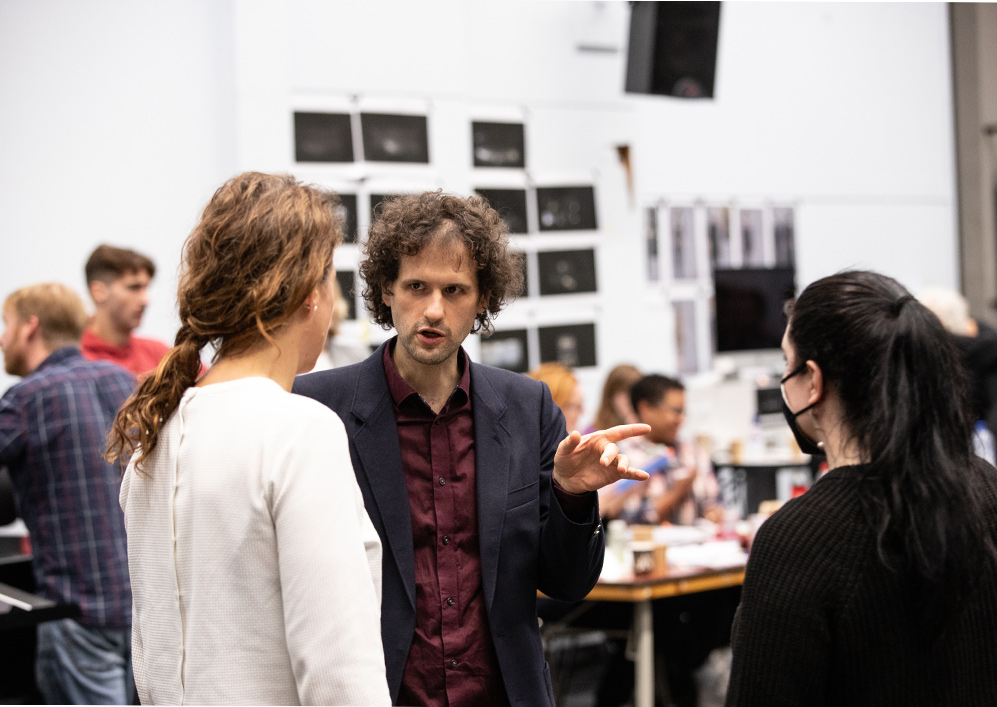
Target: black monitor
750,307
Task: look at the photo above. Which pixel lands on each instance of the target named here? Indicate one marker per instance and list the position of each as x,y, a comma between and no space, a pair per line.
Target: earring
314,307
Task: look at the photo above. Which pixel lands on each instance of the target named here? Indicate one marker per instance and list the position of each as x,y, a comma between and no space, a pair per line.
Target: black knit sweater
823,622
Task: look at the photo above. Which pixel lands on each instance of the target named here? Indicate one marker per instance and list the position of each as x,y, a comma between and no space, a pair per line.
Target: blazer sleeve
571,553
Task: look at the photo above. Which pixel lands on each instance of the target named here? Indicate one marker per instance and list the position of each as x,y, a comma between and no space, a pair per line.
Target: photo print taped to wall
347,213
683,242
752,255
784,229
566,272
390,137
347,283
511,205
323,137
718,229
498,144
572,345
651,243
566,208
506,349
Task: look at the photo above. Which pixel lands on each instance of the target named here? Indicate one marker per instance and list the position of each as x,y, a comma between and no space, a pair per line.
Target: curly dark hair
405,224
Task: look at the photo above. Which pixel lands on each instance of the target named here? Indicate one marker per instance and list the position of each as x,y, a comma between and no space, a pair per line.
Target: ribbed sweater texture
823,622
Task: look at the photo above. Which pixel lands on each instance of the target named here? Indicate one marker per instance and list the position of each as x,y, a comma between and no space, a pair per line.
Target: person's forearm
671,499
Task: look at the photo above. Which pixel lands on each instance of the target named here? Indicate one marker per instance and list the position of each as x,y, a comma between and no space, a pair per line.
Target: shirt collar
402,391
58,356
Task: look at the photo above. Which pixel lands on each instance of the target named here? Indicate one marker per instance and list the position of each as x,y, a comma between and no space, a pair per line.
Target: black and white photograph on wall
784,230
572,345
686,343
566,272
389,137
347,212
523,258
511,205
651,243
752,255
749,307
323,137
506,349
682,223
498,144
347,284
375,202
566,208
718,228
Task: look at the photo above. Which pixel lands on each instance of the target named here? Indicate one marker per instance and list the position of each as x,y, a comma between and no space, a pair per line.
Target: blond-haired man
53,430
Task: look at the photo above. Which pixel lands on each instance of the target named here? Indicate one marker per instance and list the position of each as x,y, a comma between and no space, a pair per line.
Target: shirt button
453,662
446,539
449,601
443,482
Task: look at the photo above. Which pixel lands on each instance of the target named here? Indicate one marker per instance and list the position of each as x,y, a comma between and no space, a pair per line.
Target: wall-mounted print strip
323,137
506,349
498,144
718,228
571,344
752,253
784,228
389,137
683,242
511,205
347,283
566,272
347,212
566,208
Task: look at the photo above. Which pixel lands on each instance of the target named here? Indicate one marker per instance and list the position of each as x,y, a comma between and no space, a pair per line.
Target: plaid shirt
53,430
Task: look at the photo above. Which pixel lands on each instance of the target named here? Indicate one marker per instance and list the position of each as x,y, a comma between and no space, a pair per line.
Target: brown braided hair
263,244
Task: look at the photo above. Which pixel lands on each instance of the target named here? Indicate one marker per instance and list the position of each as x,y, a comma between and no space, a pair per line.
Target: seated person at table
682,487
615,407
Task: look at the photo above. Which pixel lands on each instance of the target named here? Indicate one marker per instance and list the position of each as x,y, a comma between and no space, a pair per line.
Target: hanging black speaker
673,48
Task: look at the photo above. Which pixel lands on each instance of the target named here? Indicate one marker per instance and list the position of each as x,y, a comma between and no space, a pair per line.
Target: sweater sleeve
329,559
781,636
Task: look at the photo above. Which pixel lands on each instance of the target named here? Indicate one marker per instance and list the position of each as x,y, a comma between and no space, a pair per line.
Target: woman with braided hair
879,585
255,570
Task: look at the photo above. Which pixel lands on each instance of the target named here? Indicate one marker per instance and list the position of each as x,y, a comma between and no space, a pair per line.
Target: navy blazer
526,541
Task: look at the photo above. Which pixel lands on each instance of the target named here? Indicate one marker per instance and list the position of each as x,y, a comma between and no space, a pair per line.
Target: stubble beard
428,358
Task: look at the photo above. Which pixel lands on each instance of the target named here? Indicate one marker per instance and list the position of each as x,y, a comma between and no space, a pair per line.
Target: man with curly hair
478,493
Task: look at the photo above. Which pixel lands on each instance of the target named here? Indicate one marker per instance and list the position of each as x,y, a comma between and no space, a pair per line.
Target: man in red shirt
118,280
477,491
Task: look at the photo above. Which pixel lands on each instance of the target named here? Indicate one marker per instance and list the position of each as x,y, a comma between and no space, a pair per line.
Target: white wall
135,112
114,127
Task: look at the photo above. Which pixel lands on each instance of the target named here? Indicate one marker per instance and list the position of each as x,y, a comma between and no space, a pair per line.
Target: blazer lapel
376,444
492,440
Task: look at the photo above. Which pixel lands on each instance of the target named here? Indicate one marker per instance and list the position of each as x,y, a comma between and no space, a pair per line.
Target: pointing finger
615,434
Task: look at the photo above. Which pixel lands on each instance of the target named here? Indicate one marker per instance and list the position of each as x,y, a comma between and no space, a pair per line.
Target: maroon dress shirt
452,660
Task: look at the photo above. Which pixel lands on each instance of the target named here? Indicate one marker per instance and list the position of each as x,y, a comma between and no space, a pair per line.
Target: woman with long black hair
879,585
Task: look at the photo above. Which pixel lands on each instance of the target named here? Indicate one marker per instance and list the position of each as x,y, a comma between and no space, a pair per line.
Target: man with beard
53,431
477,491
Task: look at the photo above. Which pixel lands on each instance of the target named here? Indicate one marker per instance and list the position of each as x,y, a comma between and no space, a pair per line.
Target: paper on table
715,554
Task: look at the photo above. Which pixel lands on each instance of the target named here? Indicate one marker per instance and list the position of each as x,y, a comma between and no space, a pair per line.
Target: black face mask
807,445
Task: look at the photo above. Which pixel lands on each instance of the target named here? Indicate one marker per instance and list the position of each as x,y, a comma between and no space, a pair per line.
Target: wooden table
641,591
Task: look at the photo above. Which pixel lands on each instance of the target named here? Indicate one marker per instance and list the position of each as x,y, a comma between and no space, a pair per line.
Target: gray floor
578,661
